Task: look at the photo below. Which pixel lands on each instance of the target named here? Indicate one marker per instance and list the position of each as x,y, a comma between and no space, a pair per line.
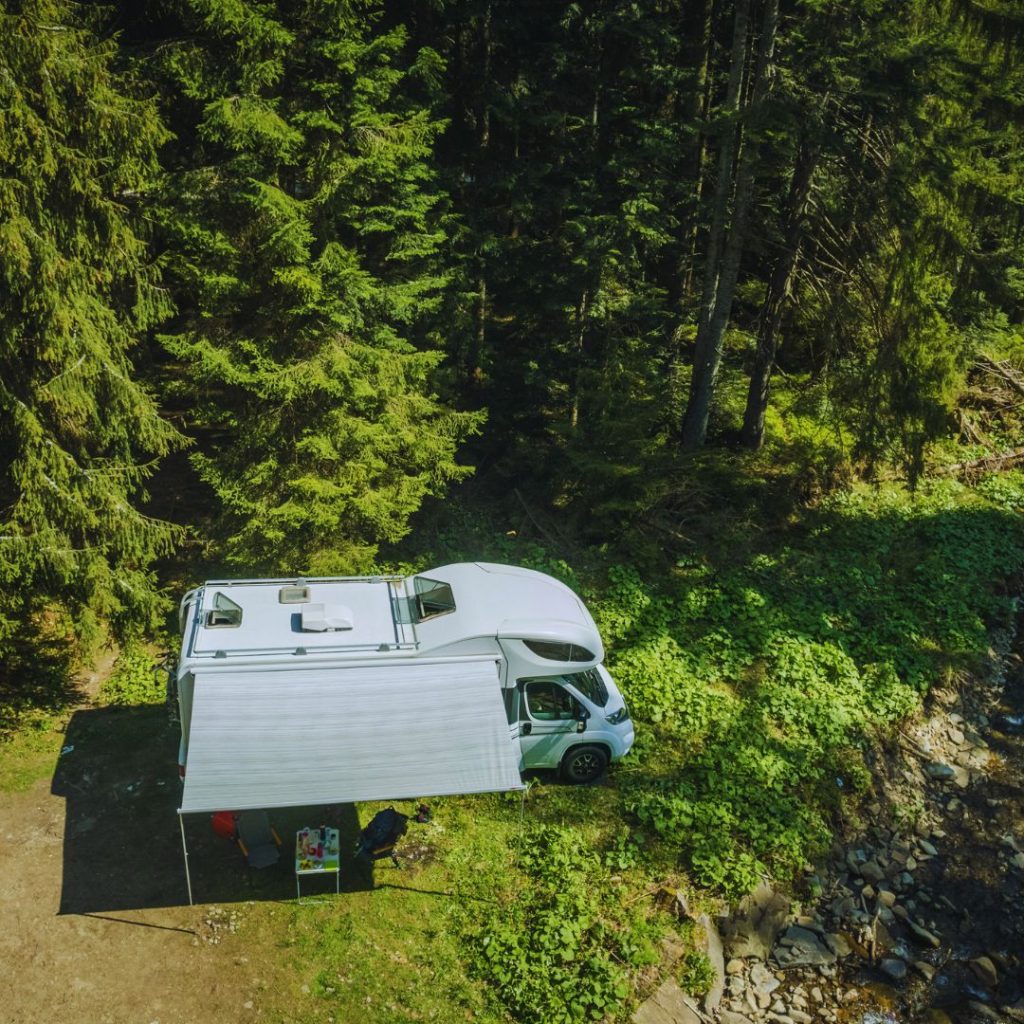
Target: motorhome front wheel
584,764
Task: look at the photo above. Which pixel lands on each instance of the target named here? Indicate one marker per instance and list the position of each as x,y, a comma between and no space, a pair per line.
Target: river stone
763,981
732,1017
987,1012
985,971
886,897
896,969
927,848
802,948
1017,860
753,929
940,771
872,871
926,936
669,1005
838,945
751,998
925,969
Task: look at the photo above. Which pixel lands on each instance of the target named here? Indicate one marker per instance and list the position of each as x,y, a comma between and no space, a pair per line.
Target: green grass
403,951
31,753
397,953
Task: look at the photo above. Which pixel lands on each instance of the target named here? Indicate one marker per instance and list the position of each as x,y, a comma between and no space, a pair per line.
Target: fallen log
987,463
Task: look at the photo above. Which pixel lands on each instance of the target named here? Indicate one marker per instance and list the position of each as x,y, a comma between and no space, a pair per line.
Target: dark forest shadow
36,674
122,842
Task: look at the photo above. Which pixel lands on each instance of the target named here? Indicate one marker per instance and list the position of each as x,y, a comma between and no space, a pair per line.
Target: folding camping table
308,861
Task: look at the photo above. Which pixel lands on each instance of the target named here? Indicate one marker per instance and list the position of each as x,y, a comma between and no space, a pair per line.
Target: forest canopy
275,273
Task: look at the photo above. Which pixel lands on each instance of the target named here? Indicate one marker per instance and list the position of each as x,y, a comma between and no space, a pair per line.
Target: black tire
584,764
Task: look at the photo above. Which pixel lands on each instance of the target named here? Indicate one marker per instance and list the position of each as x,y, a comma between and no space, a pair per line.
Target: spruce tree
78,433
304,223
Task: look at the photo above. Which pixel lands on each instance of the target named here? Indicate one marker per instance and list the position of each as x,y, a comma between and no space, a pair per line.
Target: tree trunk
724,251
582,311
778,292
696,56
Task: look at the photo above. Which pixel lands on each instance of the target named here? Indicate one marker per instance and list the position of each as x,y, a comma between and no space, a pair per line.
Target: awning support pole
522,816
184,850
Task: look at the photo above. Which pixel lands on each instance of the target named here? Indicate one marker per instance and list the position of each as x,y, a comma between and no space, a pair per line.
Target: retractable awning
287,738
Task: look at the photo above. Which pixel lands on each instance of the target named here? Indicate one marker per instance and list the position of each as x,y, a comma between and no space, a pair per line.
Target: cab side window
549,702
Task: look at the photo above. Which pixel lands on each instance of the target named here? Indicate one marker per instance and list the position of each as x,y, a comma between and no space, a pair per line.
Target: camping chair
258,839
225,824
380,837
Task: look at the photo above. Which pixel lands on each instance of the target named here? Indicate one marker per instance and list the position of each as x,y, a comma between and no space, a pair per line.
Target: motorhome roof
489,597
490,600
268,625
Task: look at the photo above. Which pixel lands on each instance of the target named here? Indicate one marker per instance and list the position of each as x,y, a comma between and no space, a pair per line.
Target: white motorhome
561,704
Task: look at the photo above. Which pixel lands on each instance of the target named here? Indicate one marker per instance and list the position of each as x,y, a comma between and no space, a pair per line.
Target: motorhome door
549,720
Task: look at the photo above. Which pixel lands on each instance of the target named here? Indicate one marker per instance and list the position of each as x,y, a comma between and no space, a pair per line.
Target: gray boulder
799,947
752,930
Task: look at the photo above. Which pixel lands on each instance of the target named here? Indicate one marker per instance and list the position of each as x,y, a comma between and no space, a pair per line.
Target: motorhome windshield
589,683
432,598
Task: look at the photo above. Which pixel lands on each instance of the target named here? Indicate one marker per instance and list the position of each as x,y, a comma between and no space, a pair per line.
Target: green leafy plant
135,678
558,952
696,973
766,677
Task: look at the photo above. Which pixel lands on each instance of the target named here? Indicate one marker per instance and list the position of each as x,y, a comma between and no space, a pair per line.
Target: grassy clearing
414,947
31,753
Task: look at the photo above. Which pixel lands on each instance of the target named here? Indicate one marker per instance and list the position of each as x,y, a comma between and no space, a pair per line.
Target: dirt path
94,923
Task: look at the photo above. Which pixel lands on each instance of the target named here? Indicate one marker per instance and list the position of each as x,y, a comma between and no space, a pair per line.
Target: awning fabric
273,738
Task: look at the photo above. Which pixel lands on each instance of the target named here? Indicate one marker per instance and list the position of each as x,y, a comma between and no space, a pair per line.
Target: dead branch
988,463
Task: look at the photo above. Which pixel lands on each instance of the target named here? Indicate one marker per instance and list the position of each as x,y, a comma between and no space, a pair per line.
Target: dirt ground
95,924
133,965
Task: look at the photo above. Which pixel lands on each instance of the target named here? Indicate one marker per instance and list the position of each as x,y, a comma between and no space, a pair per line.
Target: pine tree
78,433
304,224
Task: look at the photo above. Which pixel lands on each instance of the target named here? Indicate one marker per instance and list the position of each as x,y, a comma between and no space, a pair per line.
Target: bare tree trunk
778,292
484,121
485,105
697,56
582,311
726,154
725,250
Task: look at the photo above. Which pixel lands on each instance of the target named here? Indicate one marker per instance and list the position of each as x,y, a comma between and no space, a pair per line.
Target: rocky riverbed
917,914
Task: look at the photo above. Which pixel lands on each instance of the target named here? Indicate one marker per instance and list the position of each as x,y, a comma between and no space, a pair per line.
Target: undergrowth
135,678
563,947
758,672
762,679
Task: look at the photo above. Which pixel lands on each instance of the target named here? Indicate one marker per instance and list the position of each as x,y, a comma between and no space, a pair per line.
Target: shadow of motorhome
122,841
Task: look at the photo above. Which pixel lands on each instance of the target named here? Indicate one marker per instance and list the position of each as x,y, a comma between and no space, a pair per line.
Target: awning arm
184,850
